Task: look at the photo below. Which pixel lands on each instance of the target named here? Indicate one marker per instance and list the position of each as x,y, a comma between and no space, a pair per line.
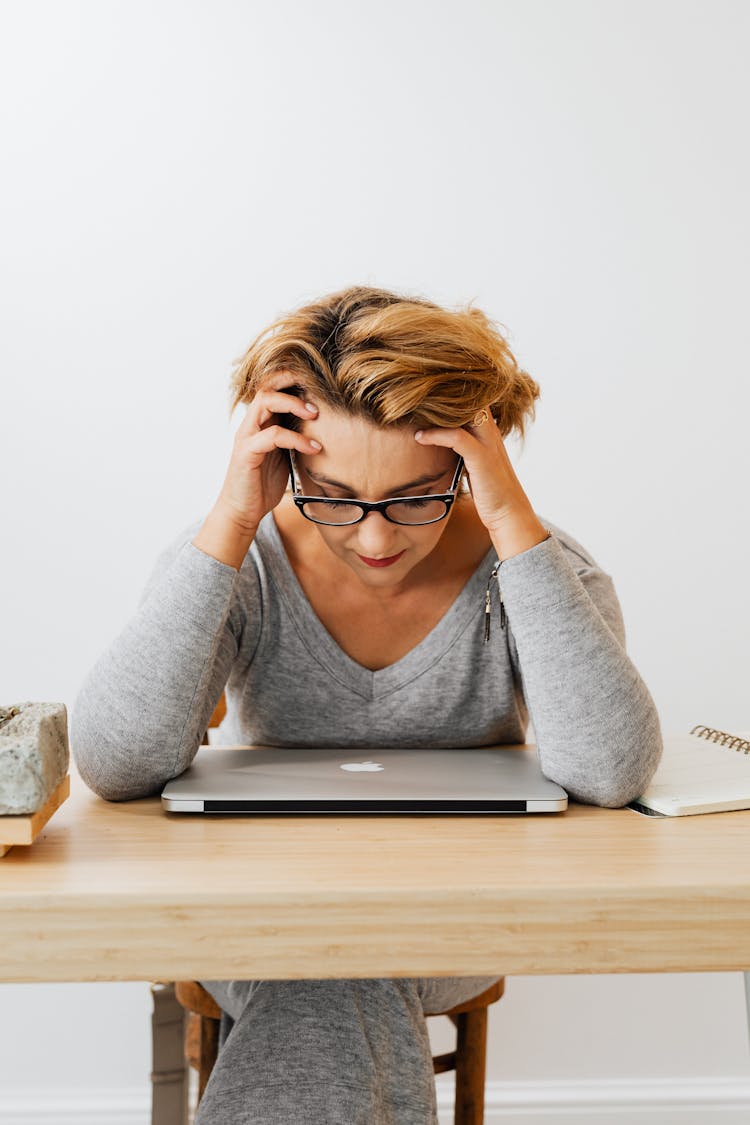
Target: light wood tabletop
126,891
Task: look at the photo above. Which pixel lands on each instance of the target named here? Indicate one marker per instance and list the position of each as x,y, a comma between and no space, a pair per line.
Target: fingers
276,402
455,438
276,437
269,402
484,426
260,432
463,439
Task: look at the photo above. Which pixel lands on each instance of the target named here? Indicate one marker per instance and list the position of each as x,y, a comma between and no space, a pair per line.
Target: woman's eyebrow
429,479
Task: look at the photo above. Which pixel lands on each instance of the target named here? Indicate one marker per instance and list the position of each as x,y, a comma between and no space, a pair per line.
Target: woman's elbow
636,766
116,769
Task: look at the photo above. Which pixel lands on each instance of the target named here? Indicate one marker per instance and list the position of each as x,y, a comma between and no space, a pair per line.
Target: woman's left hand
500,501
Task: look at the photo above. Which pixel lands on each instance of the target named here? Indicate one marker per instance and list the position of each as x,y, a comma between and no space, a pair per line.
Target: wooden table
125,891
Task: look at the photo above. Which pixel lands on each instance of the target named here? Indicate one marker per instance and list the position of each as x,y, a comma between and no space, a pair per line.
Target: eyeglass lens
415,512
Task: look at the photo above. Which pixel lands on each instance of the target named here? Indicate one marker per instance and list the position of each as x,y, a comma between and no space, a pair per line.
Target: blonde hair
393,360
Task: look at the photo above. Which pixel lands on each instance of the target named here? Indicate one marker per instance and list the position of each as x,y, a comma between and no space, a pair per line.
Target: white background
176,175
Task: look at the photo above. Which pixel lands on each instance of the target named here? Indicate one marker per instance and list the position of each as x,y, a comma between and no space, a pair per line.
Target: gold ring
480,418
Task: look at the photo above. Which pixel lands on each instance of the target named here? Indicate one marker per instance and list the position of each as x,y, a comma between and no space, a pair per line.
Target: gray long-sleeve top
202,627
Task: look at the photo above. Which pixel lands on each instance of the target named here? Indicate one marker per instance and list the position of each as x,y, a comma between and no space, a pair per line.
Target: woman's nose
375,535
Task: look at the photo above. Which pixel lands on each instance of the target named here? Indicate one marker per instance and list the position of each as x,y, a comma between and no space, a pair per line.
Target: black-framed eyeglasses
410,510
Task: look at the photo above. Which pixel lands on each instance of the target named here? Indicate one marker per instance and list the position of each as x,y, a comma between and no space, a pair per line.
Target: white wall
176,174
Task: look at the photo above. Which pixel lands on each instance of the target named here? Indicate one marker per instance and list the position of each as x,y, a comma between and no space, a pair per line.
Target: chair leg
209,1050
471,1063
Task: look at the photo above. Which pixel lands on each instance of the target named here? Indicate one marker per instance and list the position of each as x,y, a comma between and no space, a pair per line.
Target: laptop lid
258,780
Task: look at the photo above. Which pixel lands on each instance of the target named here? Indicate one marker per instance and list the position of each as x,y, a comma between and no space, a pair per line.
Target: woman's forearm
220,537
596,725
141,711
520,531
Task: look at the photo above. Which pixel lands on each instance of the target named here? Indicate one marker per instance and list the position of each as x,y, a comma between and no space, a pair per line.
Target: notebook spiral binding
731,741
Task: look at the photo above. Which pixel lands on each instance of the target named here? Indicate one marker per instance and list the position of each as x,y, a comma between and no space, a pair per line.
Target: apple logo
356,767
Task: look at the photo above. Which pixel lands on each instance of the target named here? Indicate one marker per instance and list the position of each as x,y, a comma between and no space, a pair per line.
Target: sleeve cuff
539,578
201,582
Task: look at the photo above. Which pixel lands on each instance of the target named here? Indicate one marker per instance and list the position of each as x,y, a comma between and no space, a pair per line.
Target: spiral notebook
704,771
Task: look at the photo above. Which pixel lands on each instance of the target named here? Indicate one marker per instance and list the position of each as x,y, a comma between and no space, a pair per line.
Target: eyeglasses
411,510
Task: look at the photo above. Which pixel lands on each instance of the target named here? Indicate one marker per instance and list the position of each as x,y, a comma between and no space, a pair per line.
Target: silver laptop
275,781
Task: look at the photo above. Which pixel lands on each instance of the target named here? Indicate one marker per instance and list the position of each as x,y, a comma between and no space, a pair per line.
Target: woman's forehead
357,454
346,432
350,476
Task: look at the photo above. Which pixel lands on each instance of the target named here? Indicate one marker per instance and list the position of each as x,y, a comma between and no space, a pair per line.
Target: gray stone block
34,755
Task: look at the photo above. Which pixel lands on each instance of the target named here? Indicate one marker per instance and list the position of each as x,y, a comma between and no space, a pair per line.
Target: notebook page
697,770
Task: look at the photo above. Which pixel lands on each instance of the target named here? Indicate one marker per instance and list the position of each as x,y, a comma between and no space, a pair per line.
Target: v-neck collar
467,606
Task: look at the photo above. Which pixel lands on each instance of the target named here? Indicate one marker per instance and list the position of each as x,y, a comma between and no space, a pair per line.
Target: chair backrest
219,712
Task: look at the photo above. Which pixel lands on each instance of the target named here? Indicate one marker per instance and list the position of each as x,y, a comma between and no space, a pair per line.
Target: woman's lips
382,562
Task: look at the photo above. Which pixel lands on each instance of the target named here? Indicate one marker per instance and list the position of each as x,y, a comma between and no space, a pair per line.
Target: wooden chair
469,1059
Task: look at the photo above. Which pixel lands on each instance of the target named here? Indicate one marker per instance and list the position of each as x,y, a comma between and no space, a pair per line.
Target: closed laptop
275,780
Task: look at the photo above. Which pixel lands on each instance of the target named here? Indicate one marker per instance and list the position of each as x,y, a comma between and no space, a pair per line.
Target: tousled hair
393,360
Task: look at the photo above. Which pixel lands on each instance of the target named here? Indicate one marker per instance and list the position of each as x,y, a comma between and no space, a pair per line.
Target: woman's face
366,462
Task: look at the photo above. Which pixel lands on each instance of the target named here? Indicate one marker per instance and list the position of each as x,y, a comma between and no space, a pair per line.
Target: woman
389,615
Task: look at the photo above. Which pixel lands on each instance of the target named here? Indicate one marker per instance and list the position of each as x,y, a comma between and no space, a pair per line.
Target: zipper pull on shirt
488,604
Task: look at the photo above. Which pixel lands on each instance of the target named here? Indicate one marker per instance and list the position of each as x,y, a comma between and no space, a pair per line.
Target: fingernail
418,434
315,444
311,407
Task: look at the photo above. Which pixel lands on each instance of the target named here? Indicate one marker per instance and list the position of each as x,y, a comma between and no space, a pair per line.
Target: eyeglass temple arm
292,472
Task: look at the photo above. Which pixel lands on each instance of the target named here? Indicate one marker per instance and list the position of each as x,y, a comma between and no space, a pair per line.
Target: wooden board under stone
24,829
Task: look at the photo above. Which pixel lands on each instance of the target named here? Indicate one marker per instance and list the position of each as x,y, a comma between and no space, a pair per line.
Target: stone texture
34,755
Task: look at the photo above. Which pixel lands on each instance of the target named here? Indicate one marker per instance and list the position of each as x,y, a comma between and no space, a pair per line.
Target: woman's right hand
258,470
